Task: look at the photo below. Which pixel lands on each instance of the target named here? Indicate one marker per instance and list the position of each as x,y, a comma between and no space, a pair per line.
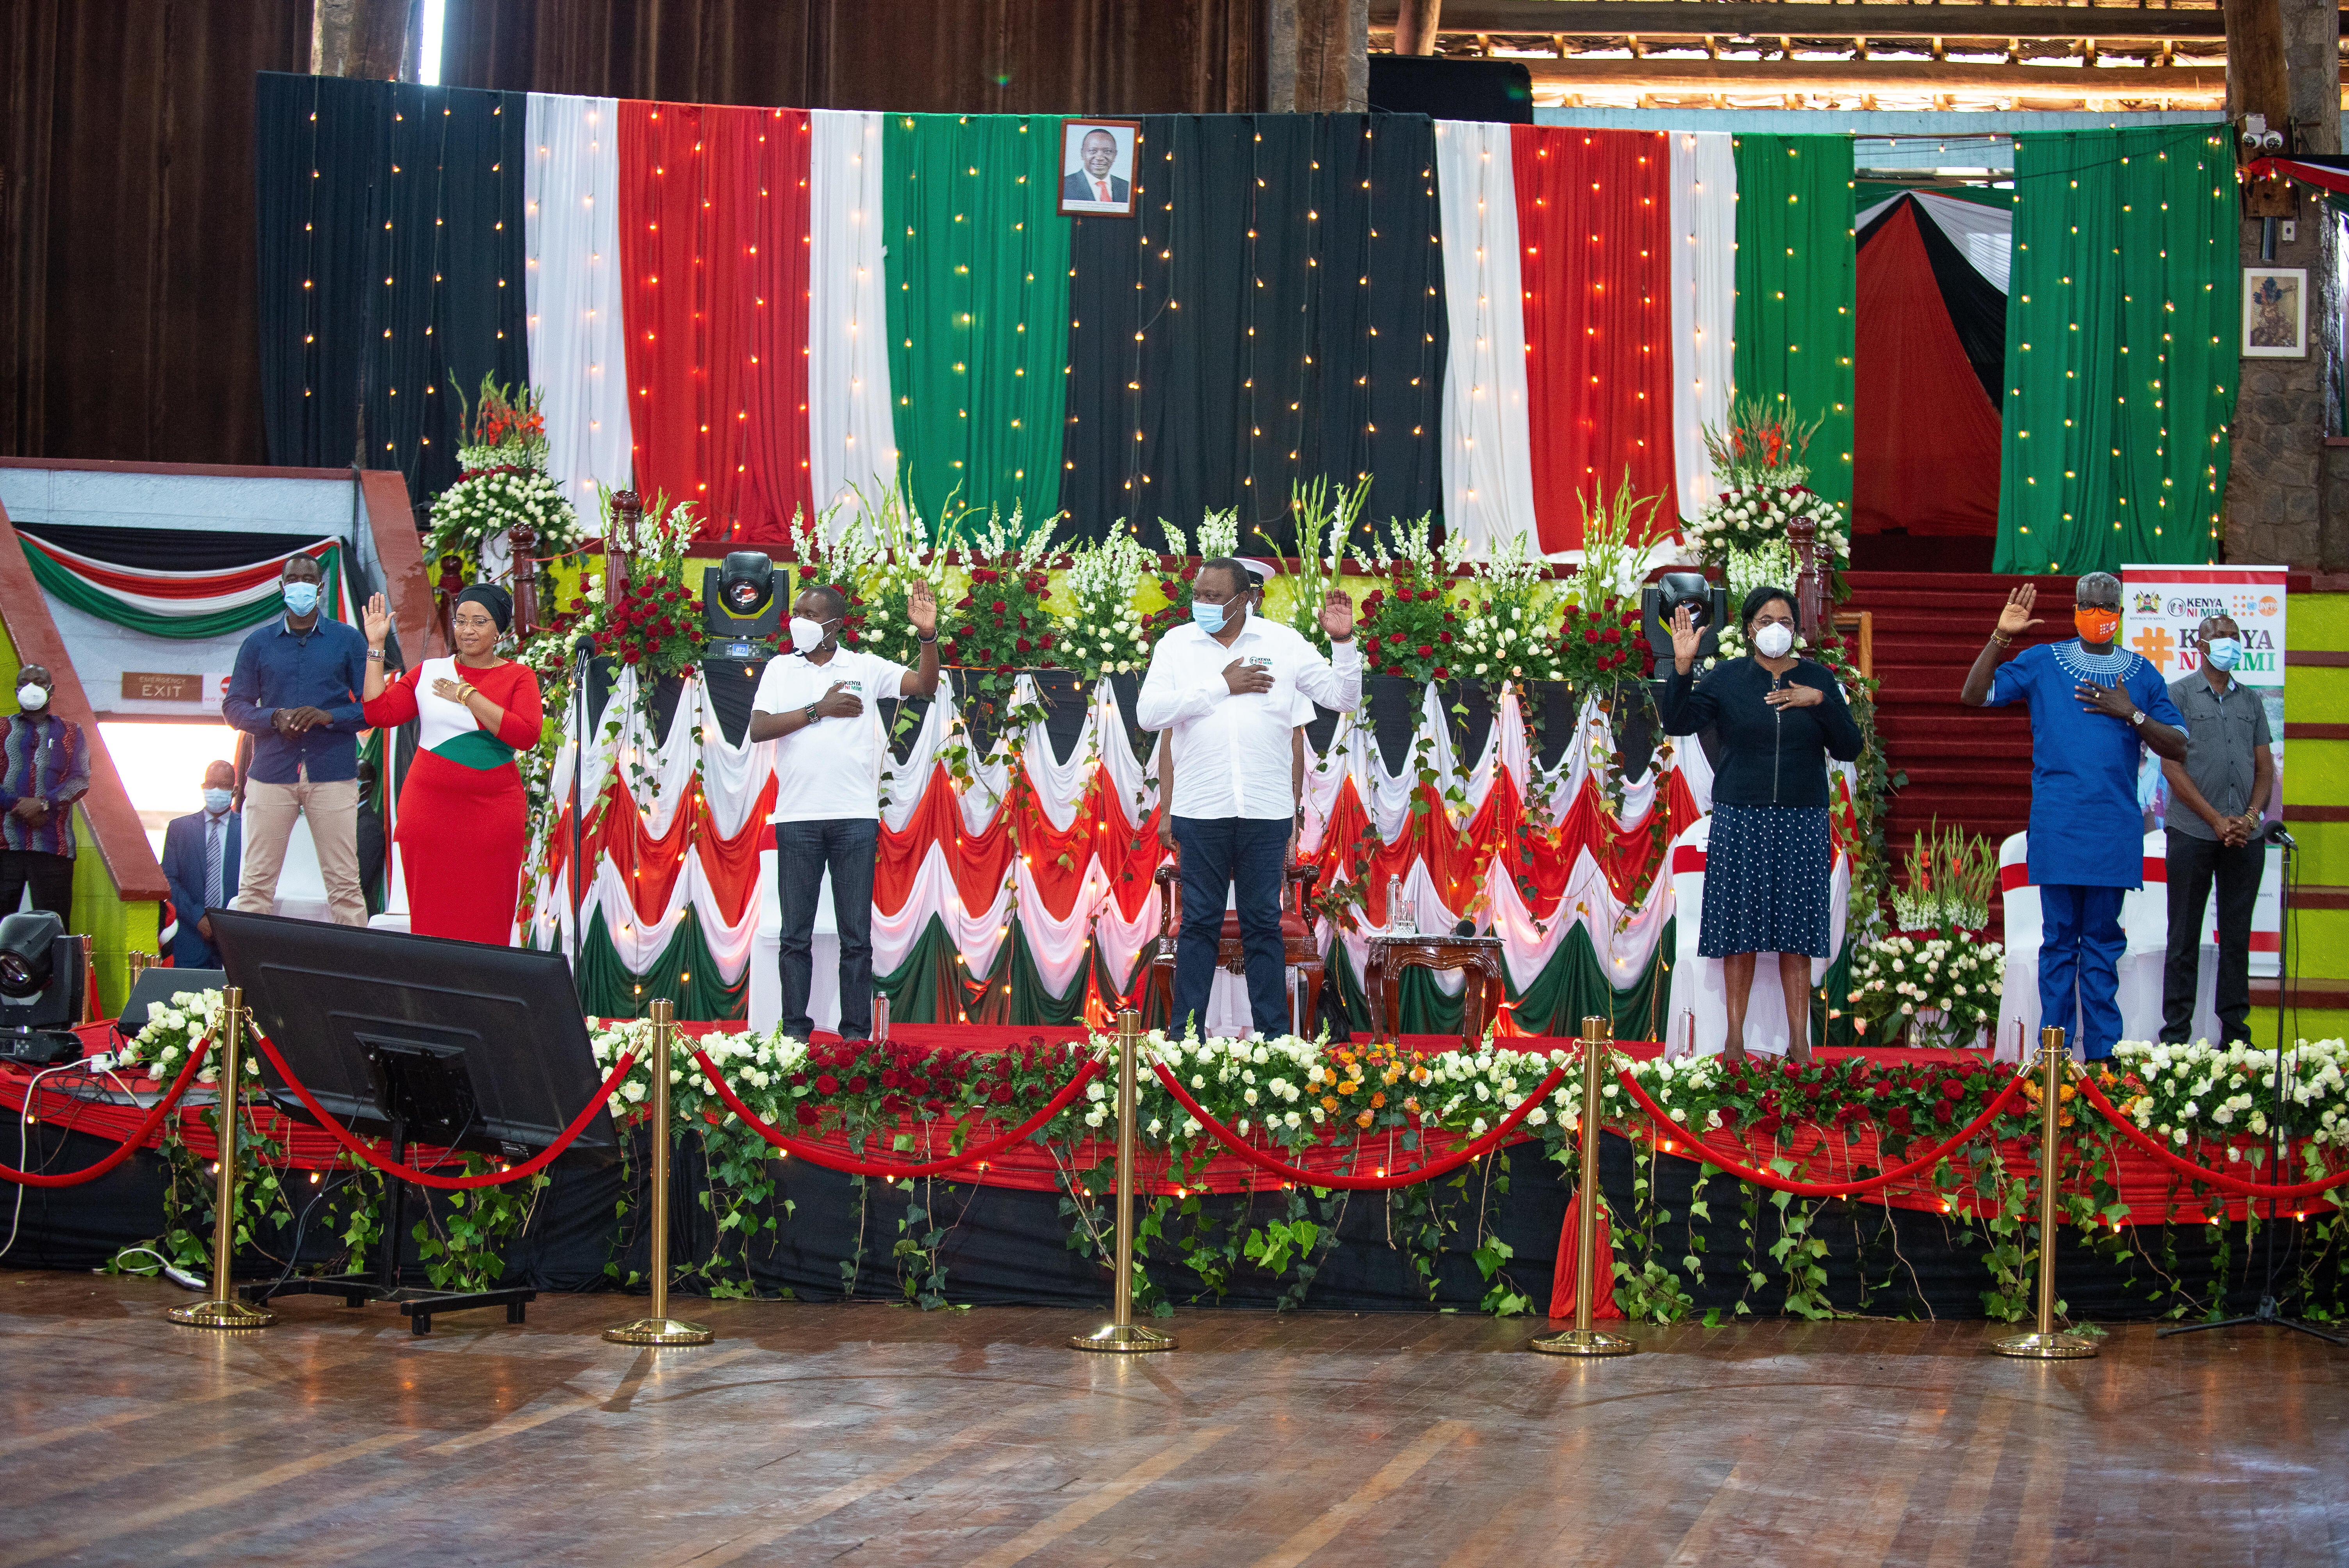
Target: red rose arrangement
1409,628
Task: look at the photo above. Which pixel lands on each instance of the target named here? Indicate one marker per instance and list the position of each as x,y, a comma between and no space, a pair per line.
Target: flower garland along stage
1372,1115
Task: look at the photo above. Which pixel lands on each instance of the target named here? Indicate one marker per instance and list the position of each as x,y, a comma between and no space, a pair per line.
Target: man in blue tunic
2092,703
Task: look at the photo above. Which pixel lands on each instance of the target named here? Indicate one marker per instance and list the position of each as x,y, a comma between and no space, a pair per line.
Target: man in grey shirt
2217,798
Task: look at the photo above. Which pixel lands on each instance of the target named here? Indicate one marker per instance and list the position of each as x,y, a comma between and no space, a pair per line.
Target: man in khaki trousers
295,691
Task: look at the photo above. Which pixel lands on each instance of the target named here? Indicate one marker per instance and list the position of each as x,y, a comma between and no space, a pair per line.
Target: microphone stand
581,652
2279,1138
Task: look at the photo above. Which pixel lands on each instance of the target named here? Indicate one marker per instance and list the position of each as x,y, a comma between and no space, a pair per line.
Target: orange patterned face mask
2097,625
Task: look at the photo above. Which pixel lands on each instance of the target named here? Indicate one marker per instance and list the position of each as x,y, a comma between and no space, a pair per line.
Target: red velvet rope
832,1158
1825,1189
1461,1156
530,1167
137,1140
2225,1183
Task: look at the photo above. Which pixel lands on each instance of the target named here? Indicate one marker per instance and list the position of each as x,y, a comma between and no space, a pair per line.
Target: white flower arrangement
171,1030
2181,1093
1104,633
1943,990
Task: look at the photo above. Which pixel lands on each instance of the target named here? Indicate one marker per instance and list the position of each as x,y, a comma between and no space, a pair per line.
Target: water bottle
1400,922
880,1017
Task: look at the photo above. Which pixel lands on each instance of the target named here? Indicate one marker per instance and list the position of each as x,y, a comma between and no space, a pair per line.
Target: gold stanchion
660,1328
222,1309
2046,1343
136,963
1121,1334
1582,1339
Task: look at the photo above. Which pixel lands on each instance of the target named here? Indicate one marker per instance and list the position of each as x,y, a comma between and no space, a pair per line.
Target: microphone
2274,833
1466,928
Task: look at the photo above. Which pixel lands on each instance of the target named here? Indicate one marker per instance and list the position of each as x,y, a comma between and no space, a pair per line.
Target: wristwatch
2138,718
810,713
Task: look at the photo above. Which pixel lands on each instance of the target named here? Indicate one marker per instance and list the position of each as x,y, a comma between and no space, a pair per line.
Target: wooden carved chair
1295,937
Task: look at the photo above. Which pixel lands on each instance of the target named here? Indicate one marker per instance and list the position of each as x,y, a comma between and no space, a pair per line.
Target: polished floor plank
870,1434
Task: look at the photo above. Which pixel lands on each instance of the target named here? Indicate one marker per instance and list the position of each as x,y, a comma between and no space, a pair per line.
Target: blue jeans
2080,946
1220,855
802,851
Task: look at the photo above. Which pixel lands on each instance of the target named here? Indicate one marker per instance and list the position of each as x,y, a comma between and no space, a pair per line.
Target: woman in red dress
463,815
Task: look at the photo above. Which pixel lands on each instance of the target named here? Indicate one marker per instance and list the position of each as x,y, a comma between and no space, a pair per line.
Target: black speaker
1497,91
1660,601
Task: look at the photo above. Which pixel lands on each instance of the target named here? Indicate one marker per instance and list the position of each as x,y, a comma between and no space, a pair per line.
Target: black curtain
391,268
1274,312
167,548
1976,305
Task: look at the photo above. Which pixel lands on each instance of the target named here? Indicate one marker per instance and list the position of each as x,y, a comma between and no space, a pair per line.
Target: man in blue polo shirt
295,691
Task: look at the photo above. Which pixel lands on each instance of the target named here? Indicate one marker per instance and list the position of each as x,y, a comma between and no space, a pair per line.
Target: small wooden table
1478,958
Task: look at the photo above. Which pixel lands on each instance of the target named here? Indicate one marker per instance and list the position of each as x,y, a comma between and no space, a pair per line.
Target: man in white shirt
816,704
1231,687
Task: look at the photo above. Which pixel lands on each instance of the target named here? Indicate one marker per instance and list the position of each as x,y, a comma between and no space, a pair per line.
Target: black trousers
802,851
2195,864
49,876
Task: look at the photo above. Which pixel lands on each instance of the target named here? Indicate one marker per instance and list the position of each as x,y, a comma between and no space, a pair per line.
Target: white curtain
1984,235
1704,302
852,440
1488,486
571,229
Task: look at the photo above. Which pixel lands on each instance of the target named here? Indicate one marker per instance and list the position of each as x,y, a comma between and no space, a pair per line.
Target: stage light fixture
1660,601
741,604
40,988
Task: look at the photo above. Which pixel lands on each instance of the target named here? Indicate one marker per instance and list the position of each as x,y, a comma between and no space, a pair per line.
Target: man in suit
1094,183
202,853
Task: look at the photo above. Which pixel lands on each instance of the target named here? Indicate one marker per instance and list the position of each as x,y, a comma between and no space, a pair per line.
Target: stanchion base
1583,1342
2057,1347
659,1331
227,1314
1131,1340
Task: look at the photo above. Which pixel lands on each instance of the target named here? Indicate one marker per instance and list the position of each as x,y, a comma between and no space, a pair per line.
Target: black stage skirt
1765,882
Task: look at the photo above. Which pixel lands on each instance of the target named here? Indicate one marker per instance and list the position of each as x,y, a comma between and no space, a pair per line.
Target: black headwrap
489,597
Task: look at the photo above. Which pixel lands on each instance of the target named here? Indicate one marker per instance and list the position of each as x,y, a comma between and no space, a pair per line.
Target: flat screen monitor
490,1042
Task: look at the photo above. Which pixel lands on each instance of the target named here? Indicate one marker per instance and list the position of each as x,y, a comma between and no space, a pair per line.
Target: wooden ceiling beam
1583,73
1726,18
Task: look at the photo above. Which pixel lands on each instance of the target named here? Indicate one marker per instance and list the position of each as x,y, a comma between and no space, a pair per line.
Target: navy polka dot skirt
1765,882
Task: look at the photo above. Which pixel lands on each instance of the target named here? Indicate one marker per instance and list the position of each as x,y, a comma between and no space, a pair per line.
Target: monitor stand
416,1085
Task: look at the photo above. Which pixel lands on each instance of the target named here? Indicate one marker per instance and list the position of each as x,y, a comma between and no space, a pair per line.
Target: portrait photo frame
2275,313
1081,148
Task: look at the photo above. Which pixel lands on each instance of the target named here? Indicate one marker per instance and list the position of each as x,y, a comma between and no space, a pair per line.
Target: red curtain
713,252
1594,215
1925,451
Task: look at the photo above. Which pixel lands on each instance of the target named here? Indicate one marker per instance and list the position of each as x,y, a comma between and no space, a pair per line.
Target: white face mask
806,633
32,698
1773,639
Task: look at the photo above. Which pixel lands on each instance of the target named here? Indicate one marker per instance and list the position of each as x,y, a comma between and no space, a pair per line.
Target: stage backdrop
760,310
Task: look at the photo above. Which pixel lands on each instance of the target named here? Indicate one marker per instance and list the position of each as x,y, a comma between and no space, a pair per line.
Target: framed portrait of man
2275,313
1097,161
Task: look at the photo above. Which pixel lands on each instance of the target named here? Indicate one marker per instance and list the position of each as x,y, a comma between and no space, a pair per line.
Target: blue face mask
216,800
301,598
2225,653
1209,618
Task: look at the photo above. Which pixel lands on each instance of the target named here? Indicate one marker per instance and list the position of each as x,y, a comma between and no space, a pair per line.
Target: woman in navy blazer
183,867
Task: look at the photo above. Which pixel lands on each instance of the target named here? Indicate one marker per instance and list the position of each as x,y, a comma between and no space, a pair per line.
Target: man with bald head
202,854
1092,182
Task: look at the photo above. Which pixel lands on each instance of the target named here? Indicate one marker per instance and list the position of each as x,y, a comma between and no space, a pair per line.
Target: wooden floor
869,1434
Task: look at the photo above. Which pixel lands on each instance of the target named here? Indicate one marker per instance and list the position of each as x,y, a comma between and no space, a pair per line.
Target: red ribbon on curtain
713,253
1594,257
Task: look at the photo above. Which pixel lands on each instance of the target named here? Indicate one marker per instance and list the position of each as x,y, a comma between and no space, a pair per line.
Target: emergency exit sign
140,687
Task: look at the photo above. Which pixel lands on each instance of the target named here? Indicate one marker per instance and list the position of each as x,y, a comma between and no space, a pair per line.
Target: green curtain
931,987
2121,323
62,584
979,310
1797,278
685,971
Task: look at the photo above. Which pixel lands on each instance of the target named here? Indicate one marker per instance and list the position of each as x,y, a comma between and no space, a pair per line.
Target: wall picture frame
2275,313
1097,167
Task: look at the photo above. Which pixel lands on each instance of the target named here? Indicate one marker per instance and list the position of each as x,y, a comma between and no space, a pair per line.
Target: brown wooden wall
126,292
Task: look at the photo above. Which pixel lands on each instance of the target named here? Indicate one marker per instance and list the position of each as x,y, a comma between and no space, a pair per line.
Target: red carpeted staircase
1967,766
